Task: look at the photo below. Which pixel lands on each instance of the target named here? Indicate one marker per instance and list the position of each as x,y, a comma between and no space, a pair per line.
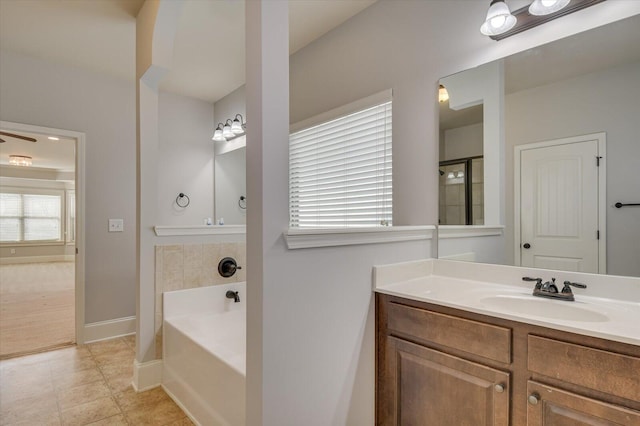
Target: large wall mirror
557,130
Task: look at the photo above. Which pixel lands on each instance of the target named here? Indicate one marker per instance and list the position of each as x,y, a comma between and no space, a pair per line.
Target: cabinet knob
499,387
534,398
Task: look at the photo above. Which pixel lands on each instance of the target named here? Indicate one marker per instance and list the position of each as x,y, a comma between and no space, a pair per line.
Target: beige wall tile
192,256
193,278
211,256
173,280
172,258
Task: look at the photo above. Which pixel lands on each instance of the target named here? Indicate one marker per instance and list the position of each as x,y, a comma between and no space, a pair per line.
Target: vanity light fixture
443,95
20,160
499,19
451,175
460,174
527,17
231,129
546,7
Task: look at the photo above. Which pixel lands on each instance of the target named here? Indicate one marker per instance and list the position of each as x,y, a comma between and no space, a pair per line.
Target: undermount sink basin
544,308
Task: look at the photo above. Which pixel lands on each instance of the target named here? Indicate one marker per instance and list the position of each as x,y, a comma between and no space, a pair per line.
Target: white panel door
559,207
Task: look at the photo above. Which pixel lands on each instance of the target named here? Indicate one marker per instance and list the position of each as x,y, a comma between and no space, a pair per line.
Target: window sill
173,231
310,238
30,243
469,231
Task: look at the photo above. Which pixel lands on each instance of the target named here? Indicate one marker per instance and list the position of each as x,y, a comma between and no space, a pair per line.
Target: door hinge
598,234
76,251
598,161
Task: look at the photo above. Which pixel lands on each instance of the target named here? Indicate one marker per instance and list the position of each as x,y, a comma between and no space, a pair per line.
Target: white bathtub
204,353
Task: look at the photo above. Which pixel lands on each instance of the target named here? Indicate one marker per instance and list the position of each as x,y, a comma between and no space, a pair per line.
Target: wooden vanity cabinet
442,366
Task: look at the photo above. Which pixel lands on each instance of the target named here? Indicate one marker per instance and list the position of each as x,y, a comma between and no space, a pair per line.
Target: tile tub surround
464,285
185,266
88,384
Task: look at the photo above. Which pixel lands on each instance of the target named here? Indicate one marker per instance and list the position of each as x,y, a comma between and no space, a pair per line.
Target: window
340,171
30,217
71,216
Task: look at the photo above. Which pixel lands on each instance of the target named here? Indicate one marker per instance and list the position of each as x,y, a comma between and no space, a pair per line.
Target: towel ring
180,200
242,202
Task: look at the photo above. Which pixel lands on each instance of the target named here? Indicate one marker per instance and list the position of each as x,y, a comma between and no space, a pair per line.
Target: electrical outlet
116,225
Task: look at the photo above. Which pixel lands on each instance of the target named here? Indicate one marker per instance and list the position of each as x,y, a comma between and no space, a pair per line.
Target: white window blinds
340,171
30,217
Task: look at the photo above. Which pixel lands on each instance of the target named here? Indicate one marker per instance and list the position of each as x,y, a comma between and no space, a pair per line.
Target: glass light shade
236,127
20,160
450,175
499,19
226,132
460,174
217,136
546,7
443,95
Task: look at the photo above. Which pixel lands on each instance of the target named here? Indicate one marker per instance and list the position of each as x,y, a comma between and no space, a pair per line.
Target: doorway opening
41,238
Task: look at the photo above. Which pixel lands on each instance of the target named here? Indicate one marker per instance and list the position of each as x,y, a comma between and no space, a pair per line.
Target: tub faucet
233,295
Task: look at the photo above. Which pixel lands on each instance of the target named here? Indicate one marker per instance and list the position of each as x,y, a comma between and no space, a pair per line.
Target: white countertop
498,291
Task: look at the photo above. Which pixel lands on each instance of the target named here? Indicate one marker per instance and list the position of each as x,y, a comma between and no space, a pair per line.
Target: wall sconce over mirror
230,130
500,23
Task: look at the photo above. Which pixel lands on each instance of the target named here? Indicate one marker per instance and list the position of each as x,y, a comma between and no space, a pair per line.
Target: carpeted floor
37,307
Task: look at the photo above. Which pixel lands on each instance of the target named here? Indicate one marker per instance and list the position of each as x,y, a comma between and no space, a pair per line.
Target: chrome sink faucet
550,290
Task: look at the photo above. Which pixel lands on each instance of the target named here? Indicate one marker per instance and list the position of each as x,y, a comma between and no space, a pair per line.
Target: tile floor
83,385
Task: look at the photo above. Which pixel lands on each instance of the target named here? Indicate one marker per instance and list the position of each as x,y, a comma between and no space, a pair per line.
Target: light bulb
226,131
498,21
546,7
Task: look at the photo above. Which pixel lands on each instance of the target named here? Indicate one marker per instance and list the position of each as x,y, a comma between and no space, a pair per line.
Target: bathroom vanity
467,344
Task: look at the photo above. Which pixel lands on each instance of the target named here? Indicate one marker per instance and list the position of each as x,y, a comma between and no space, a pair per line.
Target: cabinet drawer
488,341
596,369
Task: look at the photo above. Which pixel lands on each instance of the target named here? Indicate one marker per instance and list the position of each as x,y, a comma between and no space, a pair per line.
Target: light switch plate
116,225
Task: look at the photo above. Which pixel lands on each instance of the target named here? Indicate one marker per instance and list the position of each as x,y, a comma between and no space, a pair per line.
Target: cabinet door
551,406
427,387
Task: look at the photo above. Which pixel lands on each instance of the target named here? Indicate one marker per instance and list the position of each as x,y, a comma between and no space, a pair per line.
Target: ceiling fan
13,135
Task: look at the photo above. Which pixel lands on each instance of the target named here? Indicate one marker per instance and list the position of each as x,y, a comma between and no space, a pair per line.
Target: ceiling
47,154
209,48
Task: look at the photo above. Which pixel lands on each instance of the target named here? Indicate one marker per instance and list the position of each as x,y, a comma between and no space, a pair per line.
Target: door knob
534,398
526,245
499,388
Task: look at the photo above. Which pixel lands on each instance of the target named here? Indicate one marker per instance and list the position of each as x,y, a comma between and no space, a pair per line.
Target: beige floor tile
118,366
130,399
182,422
118,420
107,346
90,412
71,379
159,414
82,394
120,383
130,340
11,392
121,355
41,409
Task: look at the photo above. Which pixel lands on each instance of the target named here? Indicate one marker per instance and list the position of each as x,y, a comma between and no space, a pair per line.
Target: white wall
463,142
319,311
185,159
43,93
606,101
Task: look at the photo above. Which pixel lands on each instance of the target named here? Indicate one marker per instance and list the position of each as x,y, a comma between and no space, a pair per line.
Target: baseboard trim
36,259
110,329
181,405
147,375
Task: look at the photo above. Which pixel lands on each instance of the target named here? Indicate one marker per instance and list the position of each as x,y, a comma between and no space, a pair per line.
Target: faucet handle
568,284
537,280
